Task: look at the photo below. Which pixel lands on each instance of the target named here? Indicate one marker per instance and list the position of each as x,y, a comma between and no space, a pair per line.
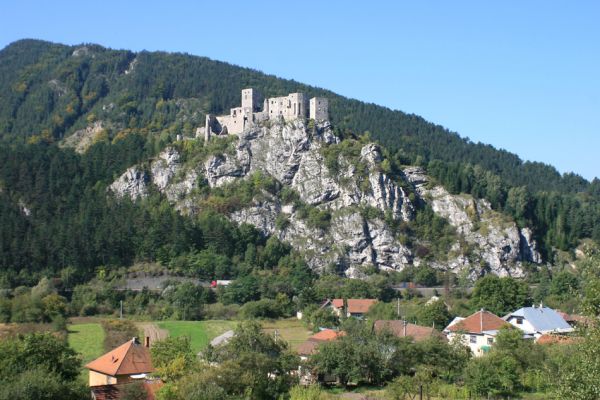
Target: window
519,321
490,341
472,339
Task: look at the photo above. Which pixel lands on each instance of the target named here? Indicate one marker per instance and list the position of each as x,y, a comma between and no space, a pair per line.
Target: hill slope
119,108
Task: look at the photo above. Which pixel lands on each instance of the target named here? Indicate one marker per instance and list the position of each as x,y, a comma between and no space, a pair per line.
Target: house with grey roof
538,321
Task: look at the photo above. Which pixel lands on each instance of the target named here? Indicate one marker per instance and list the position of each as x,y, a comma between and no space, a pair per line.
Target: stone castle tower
292,106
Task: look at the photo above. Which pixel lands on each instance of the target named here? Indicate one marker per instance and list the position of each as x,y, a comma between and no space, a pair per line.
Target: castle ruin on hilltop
292,106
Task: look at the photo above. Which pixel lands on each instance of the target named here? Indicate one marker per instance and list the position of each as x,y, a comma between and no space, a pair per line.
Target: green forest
51,90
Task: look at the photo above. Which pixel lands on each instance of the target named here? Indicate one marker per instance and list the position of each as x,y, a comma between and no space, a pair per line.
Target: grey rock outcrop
133,184
501,245
293,153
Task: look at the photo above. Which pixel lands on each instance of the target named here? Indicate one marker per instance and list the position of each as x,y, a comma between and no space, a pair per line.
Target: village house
401,328
128,363
310,346
478,331
350,307
575,320
538,321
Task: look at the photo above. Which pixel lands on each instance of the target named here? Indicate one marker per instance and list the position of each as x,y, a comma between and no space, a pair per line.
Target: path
152,330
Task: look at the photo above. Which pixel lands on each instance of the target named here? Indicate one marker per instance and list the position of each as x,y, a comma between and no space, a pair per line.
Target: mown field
200,332
87,337
291,330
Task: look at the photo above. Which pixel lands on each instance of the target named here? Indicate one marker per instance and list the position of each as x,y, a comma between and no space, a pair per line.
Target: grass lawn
291,330
87,339
200,332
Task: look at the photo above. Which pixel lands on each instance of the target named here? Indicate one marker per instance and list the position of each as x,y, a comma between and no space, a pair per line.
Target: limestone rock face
165,170
133,184
359,198
82,139
501,245
291,152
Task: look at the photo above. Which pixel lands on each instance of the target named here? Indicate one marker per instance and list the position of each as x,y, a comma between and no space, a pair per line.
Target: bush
118,332
221,311
264,308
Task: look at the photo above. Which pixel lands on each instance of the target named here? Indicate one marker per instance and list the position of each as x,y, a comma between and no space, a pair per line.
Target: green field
291,330
87,339
200,332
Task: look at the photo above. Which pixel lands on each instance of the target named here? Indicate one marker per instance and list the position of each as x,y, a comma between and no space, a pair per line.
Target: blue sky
520,75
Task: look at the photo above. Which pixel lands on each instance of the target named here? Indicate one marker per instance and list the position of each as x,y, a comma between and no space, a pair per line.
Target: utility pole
398,307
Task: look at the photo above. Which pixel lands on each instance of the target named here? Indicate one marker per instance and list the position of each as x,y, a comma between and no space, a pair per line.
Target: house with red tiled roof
550,338
402,329
309,347
116,392
126,363
350,307
477,331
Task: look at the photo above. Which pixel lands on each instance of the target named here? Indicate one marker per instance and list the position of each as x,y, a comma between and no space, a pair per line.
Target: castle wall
319,108
290,107
251,100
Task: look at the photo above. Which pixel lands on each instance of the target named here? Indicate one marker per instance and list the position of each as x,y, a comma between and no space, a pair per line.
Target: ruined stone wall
319,108
251,100
289,107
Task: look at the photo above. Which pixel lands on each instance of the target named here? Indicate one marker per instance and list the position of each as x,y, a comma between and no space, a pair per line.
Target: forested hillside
53,209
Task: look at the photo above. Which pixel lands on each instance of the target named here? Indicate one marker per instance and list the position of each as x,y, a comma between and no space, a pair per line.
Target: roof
130,358
548,338
222,339
337,303
355,306
417,332
309,346
114,392
479,322
326,335
574,318
542,319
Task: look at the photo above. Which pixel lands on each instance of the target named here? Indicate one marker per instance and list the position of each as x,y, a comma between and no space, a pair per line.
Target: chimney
147,341
404,323
481,319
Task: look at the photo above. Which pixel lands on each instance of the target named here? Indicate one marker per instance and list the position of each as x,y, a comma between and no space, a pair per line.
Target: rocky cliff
357,200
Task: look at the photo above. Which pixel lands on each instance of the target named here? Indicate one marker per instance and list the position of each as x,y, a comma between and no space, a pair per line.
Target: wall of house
98,379
525,326
480,341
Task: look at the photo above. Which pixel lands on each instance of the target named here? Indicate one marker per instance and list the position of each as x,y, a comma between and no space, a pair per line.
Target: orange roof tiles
310,345
308,348
326,335
355,306
417,332
479,322
337,303
555,339
128,359
114,392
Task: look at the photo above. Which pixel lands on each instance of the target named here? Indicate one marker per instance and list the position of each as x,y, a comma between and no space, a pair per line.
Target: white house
478,331
538,321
